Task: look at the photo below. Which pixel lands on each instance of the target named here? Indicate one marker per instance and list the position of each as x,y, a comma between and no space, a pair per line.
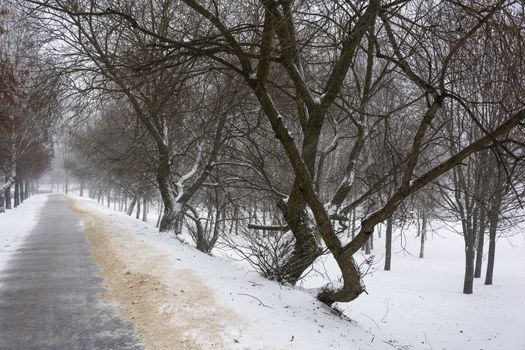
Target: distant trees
331,112
27,103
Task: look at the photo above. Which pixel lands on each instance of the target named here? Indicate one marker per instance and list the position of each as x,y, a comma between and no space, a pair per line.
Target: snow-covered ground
16,223
417,305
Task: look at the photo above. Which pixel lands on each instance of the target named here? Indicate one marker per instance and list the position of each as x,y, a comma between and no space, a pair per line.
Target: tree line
27,109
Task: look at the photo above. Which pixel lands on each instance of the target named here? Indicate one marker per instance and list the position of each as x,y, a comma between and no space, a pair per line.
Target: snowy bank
273,316
16,223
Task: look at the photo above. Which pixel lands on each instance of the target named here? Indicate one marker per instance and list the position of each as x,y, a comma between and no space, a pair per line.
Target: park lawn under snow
417,305
16,223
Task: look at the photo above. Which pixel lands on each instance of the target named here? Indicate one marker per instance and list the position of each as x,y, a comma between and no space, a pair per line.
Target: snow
420,304
16,223
417,305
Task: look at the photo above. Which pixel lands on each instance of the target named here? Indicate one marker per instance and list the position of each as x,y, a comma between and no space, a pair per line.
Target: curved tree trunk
352,283
306,248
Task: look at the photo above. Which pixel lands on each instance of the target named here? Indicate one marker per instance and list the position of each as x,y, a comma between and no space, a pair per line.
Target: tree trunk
8,196
160,216
495,208
3,189
493,228
469,266
388,243
352,283
423,235
27,189
17,194
171,209
481,239
81,187
137,215
132,205
144,209
306,247
21,192
492,251
170,218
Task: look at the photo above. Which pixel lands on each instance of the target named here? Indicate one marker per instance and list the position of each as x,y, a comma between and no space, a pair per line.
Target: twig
426,341
387,309
370,318
398,347
260,302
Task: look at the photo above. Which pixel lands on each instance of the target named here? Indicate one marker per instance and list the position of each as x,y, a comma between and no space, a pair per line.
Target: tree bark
160,216
468,282
493,228
27,189
3,189
306,248
481,239
423,235
132,205
144,209
388,243
492,252
17,194
137,215
21,192
8,196
352,283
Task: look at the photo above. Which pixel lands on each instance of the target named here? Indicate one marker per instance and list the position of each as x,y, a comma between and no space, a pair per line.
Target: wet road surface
51,295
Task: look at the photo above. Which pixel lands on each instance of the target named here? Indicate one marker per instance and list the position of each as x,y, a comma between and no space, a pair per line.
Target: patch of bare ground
169,307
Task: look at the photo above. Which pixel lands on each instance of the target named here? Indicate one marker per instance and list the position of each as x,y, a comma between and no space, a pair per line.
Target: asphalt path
51,293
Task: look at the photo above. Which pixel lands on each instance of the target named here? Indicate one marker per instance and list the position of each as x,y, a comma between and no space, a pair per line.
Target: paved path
50,294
